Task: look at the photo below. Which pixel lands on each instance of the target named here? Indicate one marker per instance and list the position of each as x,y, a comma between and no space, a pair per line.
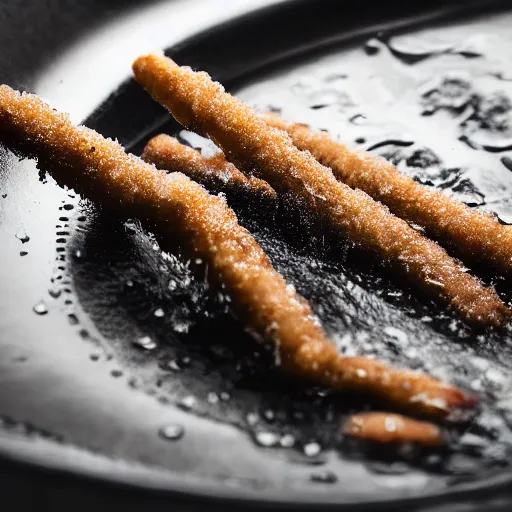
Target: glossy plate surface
117,362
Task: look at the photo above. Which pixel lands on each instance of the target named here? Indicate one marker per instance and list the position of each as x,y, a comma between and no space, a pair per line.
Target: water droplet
54,291
180,327
173,365
23,253
172,432
185,361
269,415
507,162
172,285
68,206
116,373
266,439
159,313
78,253
252,418
188,402
312,449
72,319
325,477
212,397
145,342
22,236
40,308
129,283
84,334
287,441
372,46
411,49
225,396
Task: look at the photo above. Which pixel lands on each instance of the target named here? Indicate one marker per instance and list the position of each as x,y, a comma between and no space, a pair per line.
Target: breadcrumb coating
257,149
473,233
385,428
177,209
215,172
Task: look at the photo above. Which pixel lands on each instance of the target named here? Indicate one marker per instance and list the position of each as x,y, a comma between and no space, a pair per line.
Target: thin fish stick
385,428
472,232
178,209
257,149
214,172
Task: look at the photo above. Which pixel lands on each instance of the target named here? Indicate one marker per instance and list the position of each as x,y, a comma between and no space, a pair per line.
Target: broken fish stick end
386,428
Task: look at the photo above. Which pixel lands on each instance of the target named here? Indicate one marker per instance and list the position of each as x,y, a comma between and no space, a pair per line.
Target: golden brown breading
385,428
200,104
178,209
472,232
215,172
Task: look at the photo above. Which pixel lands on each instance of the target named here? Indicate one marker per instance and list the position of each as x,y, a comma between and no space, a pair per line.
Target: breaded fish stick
201,105
385,428
472,232
176,208
215,173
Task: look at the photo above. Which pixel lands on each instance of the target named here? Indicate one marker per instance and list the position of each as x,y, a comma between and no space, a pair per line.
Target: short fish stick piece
385,428
472,232
215,172
257,149
178,209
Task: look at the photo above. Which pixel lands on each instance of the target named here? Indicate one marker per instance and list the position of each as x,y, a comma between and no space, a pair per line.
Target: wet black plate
118,362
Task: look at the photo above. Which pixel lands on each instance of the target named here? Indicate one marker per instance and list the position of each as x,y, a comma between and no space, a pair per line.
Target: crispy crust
474,233
215,173
256,148
385,428
176,208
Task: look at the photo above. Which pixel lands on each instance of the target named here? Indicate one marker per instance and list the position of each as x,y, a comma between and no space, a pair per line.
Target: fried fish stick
385,428
178,209
215,173
257,149
472,232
